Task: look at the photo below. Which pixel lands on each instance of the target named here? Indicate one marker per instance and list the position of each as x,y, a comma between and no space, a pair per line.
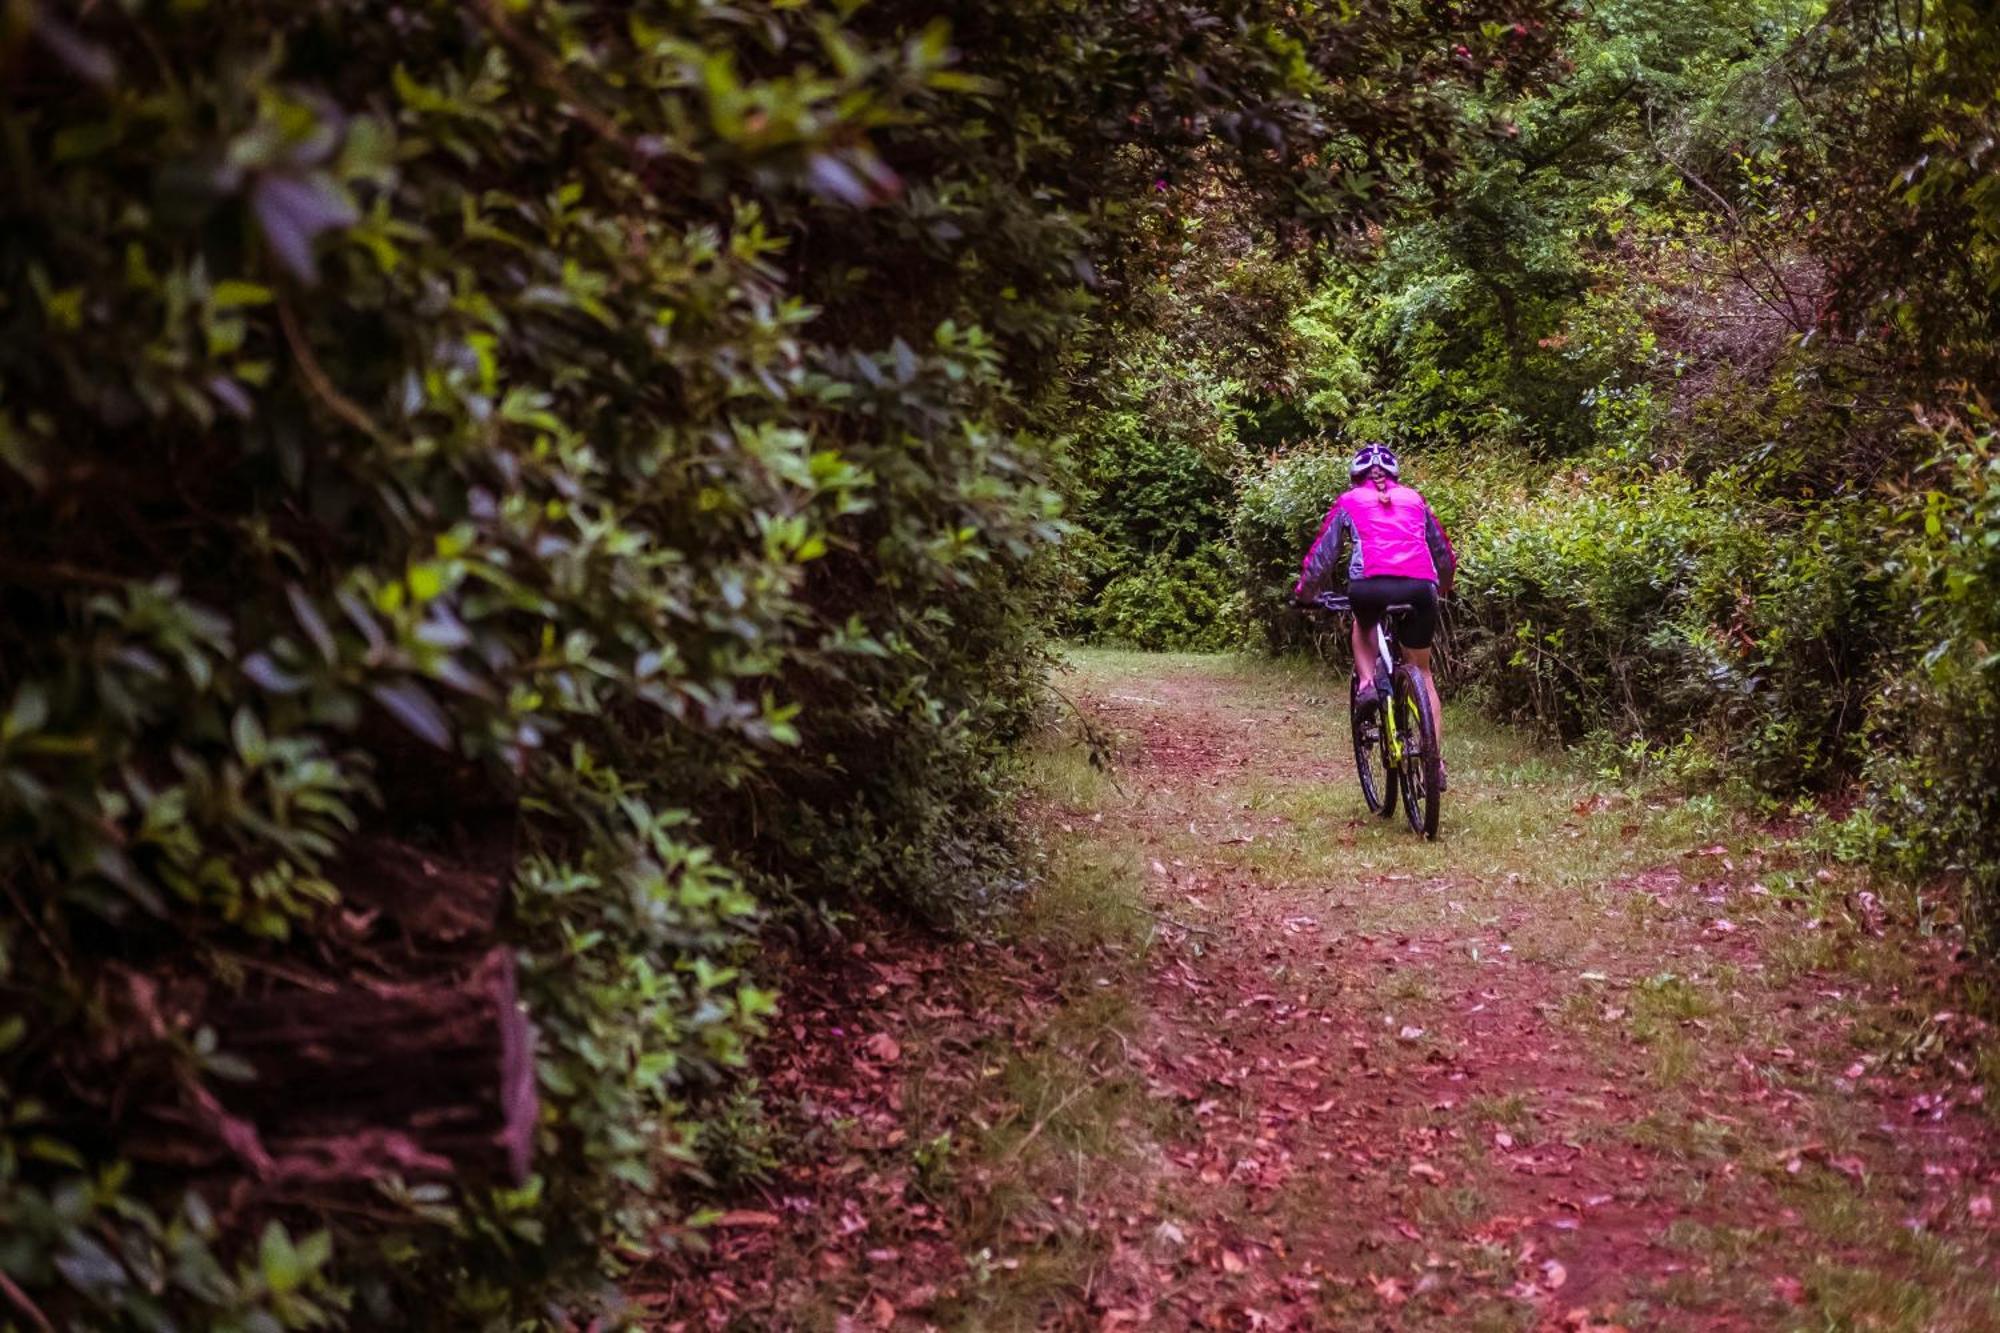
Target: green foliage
1282,505
1228,344
616,432
1172,604
1933,775
1658,608
1910,123
379,428
1650,355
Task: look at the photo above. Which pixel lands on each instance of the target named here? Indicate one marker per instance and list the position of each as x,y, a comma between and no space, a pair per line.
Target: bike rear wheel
1378,782
1417,725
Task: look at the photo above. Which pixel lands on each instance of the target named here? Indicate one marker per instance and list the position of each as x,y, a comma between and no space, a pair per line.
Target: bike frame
1385,659
1397,756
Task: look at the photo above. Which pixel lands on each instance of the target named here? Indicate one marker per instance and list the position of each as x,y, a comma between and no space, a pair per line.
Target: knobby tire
1419,776
1371,760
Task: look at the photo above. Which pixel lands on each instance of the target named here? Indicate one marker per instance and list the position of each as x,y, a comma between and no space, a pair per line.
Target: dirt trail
1592,1060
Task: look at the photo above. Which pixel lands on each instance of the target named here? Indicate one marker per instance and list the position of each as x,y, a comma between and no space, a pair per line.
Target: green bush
1280,507
1168,604
1933,773
409,423
1655,608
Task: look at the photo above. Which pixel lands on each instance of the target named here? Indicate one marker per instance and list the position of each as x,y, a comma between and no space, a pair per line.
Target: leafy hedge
1663,610
430,374
1173,605
1932,770
593,451
1279,511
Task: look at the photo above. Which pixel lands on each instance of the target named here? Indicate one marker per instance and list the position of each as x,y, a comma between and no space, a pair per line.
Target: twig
35,924
31,575
24,1305
1034,1131
337,402
545,67
1094,738
1789,312
1162,919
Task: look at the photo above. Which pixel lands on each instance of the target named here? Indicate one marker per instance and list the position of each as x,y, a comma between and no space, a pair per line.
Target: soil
1600,1057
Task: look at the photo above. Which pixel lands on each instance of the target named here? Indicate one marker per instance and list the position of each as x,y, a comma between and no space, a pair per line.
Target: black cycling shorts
1372,597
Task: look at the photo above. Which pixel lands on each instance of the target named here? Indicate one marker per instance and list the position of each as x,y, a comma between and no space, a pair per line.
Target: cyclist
1396,552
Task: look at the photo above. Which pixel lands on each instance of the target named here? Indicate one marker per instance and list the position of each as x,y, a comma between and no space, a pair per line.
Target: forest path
1257,1060
1586,1060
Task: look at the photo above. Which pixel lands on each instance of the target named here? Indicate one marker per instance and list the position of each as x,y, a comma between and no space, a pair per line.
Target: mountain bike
1396,751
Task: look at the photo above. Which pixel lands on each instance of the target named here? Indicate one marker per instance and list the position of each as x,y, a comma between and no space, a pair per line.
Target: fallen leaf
1981,1207
1425,1171
746,1217
1790,1290
1232,1262
1390,1291
884,1048
1554,1274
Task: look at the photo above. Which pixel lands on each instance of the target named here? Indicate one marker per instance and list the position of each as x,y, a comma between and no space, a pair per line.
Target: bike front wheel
1378,781
1418,775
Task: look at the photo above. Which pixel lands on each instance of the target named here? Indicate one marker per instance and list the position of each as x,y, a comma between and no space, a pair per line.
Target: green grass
1073,1114
1536,876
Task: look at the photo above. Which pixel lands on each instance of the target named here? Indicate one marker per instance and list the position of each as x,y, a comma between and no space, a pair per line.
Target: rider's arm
1442,554
1325,555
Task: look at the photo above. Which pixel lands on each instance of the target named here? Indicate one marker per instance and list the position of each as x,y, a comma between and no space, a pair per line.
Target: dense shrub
1188,604
1933,771
1281,507
1658,609
362,381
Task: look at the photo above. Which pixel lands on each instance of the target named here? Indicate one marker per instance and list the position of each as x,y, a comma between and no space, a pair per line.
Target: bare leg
1421,657
1363,644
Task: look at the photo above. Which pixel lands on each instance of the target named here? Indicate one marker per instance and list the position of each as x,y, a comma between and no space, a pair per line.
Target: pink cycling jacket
1390,531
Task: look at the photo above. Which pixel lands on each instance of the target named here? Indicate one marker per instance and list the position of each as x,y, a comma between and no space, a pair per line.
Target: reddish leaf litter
1444,1096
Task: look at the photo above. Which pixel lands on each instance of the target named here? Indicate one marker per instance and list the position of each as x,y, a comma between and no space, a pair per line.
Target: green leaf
29,712
233,293
283,1268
